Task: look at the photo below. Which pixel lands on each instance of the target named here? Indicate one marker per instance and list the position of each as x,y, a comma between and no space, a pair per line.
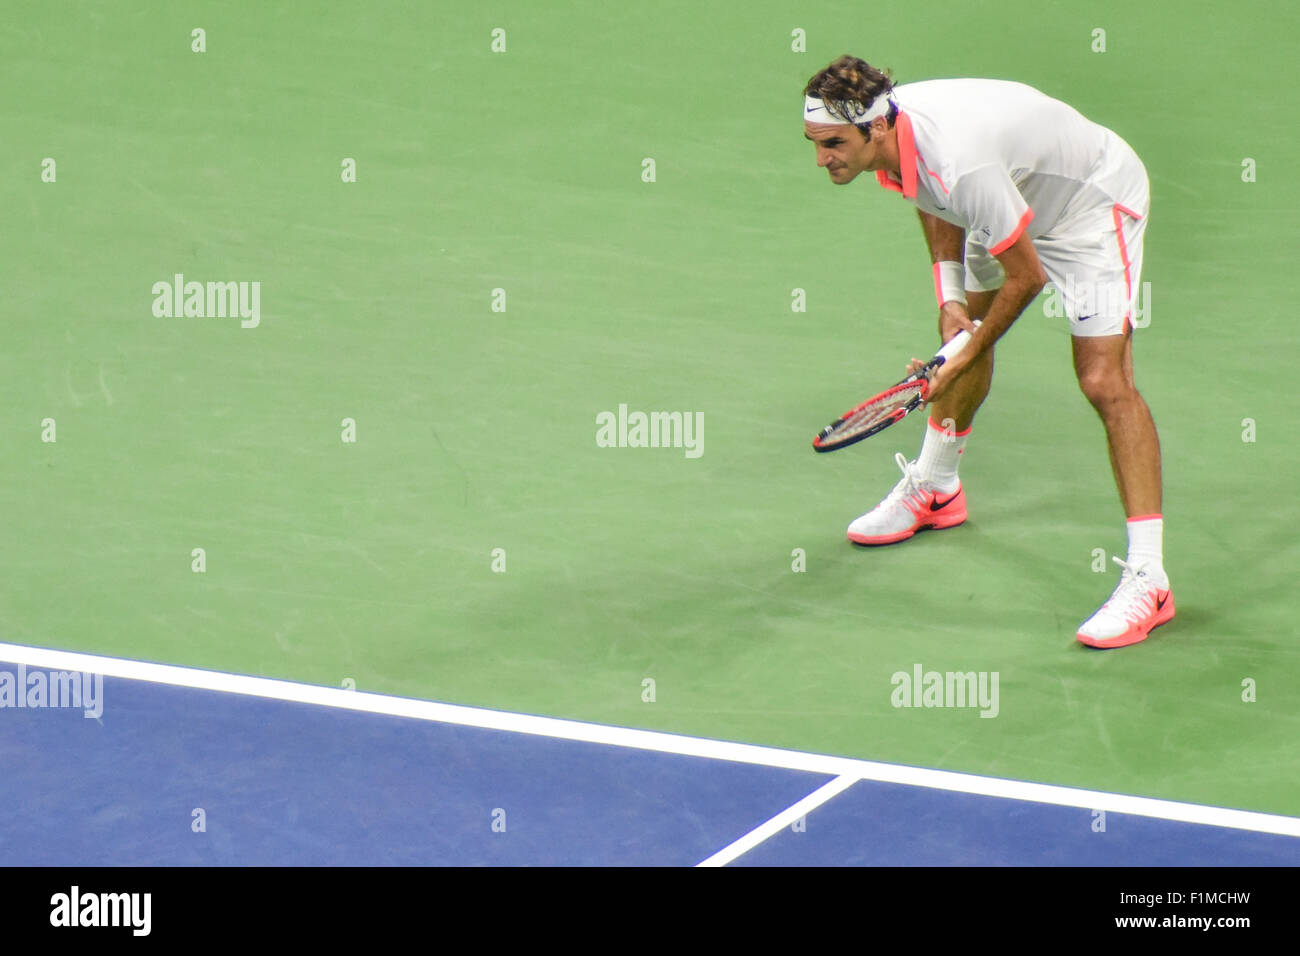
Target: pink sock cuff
939,428
1144,518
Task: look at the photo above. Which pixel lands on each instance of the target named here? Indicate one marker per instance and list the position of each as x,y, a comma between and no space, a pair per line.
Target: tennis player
1014,189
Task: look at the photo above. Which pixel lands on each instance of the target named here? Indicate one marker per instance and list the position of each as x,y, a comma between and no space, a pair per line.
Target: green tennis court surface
372,560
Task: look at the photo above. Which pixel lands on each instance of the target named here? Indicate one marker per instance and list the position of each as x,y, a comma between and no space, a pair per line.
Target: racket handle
955,345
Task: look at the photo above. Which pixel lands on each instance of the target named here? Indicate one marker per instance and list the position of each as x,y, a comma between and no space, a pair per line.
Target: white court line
779,822
650,740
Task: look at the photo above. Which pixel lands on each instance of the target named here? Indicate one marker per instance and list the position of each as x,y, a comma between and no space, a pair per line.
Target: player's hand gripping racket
890,406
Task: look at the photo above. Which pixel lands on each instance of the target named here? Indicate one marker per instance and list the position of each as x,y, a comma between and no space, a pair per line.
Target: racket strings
883,409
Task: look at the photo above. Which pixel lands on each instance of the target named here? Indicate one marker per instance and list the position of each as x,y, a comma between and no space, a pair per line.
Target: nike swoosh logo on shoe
1162,601
937,505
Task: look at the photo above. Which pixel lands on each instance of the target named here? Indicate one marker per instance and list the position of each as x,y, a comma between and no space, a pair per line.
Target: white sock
1146,546
937,463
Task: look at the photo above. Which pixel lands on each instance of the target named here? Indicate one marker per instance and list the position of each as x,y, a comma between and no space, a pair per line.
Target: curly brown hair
850,80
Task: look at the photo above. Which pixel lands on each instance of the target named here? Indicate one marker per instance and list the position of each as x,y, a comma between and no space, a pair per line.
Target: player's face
842,150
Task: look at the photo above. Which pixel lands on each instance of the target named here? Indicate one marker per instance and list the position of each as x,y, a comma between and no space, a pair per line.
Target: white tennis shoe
911,506
1137,606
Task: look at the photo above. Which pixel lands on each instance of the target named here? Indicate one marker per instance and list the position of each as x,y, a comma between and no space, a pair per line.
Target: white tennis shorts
1095,262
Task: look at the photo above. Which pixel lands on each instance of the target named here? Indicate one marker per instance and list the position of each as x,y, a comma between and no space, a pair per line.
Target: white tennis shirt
1000,158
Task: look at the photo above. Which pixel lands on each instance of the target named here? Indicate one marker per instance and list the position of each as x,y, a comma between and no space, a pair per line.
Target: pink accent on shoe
1160,611
932,510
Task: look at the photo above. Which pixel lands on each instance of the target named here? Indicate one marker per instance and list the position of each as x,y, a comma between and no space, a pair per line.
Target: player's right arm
947,243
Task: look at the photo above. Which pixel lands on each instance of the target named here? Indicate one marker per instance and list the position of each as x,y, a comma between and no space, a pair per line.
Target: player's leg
968,392
949,422
1103,361
1144,599
1104,365
929,495
950,418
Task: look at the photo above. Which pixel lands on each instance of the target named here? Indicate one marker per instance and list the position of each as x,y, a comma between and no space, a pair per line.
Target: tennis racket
889,407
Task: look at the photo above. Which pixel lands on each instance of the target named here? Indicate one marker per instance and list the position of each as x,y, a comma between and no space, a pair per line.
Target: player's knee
1104,388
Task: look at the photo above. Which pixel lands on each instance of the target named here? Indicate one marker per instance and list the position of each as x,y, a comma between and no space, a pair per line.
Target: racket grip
955,345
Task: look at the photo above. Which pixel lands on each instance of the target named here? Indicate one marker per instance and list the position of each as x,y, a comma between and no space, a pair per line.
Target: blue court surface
181,775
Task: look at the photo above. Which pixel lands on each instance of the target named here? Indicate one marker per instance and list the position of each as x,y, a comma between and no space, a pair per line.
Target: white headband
815,110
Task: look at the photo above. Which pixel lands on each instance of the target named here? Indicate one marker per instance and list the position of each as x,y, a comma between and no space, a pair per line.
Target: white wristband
950,282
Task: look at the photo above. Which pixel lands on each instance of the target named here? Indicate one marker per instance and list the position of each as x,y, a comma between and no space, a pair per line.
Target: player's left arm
1025,278
995,209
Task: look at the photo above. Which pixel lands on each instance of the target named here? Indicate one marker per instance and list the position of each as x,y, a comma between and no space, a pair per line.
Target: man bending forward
1014,189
